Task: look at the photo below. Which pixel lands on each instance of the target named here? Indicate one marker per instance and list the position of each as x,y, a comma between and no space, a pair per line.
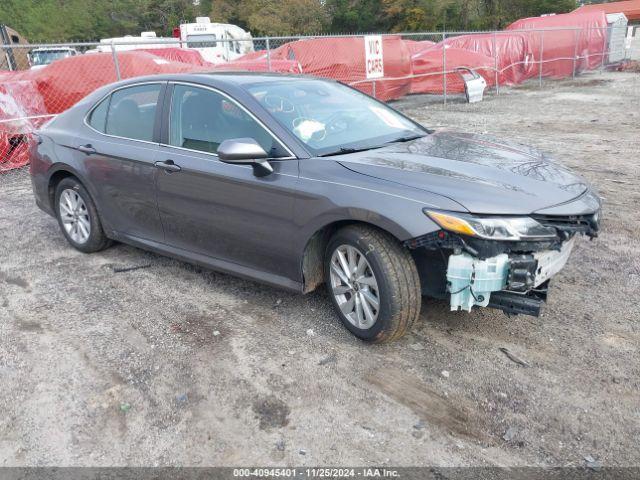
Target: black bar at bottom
513,303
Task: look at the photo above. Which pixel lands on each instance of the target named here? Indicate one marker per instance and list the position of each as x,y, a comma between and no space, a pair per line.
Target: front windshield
46,57
331,118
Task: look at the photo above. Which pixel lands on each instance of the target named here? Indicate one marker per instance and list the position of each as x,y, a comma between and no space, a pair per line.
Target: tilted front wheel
78,217
373,283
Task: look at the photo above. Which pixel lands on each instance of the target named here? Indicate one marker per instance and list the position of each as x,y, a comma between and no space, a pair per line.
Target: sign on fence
374,65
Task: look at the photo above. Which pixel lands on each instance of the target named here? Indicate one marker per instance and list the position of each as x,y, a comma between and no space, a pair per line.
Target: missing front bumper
507,275
514,283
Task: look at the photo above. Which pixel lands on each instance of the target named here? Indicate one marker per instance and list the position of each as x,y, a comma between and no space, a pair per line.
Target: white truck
216,42
41,57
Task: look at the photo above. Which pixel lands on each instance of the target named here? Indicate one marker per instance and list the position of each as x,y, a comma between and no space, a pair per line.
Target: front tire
78,217
373,283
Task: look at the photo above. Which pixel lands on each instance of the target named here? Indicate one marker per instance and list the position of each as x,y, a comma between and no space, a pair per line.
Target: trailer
146,40
12,58
216,42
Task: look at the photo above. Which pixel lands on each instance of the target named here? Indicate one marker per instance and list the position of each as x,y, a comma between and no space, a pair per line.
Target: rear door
222,210
121,145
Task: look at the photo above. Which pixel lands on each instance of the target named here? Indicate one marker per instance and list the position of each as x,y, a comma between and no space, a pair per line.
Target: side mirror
245,151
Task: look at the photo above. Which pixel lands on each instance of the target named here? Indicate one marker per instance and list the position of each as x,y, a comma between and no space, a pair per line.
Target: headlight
493,228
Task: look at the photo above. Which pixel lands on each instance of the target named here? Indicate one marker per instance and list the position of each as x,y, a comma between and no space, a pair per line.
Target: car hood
479,172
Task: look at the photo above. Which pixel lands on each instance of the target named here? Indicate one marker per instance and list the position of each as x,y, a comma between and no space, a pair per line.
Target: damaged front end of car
499,262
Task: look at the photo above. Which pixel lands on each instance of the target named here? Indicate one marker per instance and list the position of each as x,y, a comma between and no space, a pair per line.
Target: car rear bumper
41,194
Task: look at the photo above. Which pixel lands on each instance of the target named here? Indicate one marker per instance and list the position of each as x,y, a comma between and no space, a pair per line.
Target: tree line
90,20
357,16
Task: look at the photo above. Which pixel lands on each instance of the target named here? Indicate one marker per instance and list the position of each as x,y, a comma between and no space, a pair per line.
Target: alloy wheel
354,286
74,216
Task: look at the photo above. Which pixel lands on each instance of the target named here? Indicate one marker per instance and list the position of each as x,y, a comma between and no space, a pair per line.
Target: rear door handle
168,166
88,149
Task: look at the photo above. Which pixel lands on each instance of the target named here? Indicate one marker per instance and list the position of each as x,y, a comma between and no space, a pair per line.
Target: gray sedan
299,182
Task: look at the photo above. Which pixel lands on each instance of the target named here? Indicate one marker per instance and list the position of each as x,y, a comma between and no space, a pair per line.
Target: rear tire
78,217
380,269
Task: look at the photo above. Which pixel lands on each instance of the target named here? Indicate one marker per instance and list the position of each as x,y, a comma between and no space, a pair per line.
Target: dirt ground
174,365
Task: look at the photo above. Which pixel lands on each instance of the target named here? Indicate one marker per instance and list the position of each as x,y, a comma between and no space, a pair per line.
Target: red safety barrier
343,59
418,46
559,39
511,52
553,46
429,65
258,62
30,97
182,55
20,102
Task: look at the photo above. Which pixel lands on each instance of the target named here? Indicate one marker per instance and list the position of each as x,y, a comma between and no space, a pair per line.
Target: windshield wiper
345,150
408,138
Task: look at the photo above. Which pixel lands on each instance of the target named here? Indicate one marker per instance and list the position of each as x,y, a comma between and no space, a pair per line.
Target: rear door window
129,113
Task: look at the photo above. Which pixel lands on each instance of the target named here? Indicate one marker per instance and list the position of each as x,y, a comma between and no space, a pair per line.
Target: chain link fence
39,81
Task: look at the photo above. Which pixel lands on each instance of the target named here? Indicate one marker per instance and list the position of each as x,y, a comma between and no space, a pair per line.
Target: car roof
228,78
251,77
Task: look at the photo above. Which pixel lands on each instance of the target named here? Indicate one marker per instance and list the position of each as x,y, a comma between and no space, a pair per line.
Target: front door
223,210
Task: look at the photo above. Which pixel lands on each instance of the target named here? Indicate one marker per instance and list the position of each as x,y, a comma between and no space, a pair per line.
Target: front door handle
88,149
168,166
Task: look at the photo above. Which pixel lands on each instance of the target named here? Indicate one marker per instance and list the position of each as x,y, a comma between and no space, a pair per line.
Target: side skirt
208,262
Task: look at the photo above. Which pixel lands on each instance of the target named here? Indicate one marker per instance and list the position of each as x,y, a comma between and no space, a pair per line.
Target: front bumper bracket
513,303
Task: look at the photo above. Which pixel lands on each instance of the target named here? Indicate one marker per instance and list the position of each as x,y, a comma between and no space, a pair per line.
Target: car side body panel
224,217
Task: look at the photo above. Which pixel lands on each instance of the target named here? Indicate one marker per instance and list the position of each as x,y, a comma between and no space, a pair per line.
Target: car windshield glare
330,118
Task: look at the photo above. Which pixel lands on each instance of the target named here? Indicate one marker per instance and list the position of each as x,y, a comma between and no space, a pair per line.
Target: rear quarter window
98,117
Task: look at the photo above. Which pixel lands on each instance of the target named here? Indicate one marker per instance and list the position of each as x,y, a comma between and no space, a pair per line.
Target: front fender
330,193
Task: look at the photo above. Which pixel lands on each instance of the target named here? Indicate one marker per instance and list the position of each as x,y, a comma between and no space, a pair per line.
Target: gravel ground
174,365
